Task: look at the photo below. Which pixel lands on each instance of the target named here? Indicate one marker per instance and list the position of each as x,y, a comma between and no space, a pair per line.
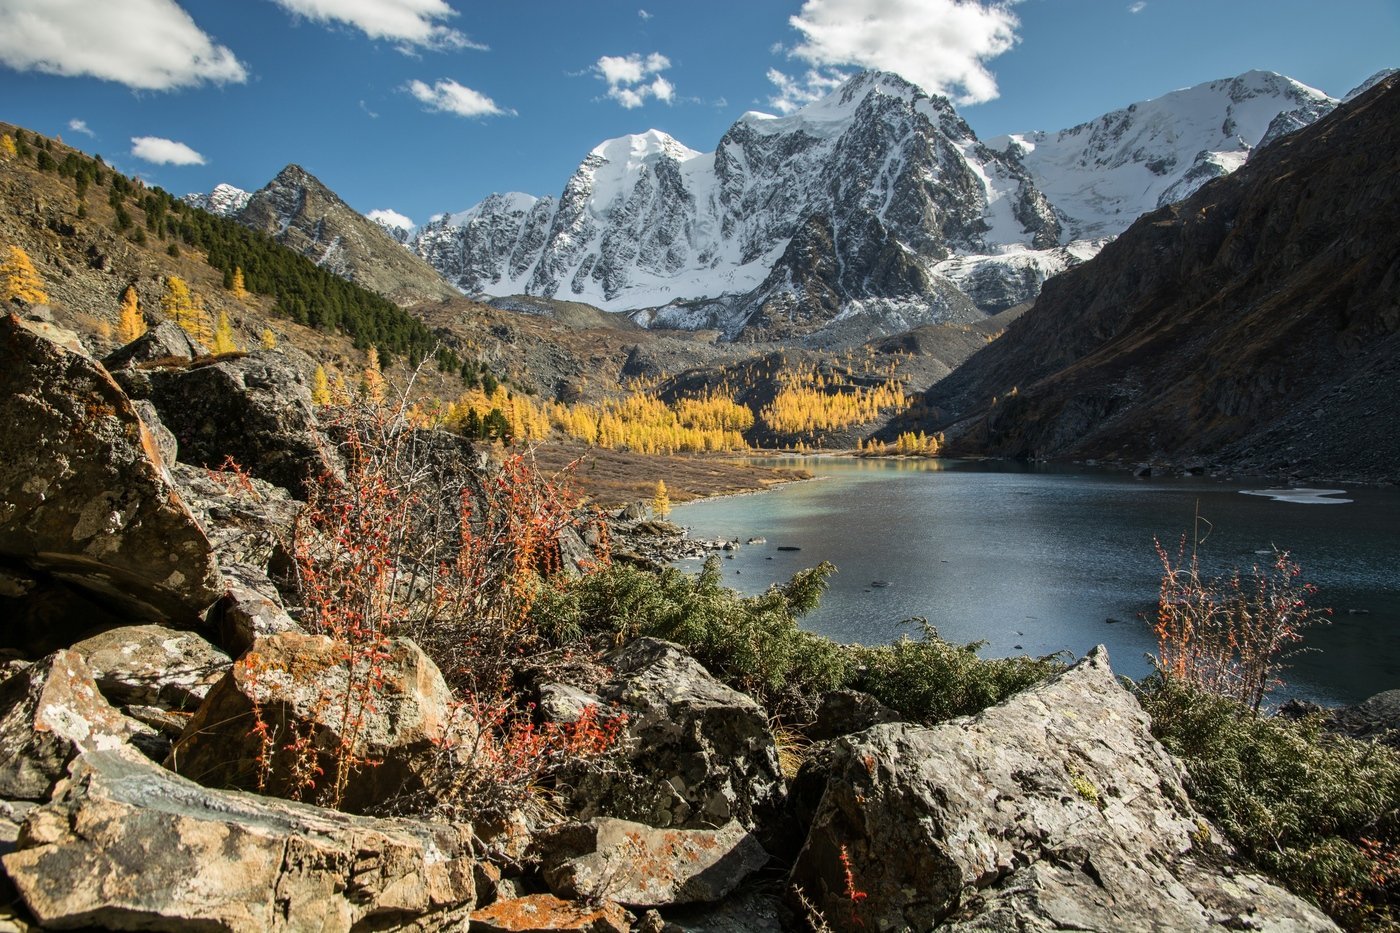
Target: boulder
166,444
164,343
1054,810
394,713
251,609
52,710
700,753
544,913
842,712
153,665
255,408
249,521
1376,718
639,866
126,844
82,495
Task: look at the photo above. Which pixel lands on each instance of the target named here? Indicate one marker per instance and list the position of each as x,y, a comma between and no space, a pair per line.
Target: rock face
164,342
301,213
150,665
639,866
307,688
140,848
256,409
544,913
1055,810
1254,324
83,496
712,744
52,711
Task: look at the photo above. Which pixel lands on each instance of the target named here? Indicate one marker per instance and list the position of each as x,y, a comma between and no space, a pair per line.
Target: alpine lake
1035,558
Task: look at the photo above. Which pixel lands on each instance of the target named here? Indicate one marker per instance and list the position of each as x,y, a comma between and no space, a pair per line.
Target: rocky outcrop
84,498
137,847
1055,810
256,409
52,710
148,665
251,609
163,343
711,743
316,696
639,866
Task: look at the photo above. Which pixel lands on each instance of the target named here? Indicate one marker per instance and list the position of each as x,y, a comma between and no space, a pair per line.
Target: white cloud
793,93
1138,7
164,151
644,14
941,45
408,22
447,96
80,126
633,78
390,219
150,45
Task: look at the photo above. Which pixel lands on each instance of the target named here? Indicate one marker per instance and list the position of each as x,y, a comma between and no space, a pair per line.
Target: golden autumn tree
179,304
130,322
240,291
372,380
19,280
661,500
7,146
268,340
223,336
320,388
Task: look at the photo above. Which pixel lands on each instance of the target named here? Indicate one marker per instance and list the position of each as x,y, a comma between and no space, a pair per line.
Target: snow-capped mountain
876,208
1102,175
224,200
842,208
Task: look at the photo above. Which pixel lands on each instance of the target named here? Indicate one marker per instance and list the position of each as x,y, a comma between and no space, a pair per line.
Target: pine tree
223,336
268,339
320,388
660,500
372,381
7,146
18,280
130,322
240,291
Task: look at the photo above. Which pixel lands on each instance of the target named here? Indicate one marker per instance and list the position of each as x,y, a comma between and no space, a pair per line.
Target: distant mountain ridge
1255,324
872,211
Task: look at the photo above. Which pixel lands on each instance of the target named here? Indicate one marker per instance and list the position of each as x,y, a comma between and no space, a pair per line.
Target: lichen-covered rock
255,408
842,712
639,866
126,844
544,913
248,520
52,710
313,690
1054,810
150,664
82,495
701,754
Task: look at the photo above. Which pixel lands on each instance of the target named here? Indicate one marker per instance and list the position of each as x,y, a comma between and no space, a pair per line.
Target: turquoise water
1037,559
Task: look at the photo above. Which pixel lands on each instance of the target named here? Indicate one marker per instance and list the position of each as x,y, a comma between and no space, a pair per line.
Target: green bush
928,679
1315,809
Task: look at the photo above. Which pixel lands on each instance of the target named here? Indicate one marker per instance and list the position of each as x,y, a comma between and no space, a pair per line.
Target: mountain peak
637,148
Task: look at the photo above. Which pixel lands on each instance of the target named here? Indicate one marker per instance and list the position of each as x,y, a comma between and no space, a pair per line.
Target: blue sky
422,106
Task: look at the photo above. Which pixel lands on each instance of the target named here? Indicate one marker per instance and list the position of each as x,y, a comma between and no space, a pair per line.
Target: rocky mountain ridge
1254,324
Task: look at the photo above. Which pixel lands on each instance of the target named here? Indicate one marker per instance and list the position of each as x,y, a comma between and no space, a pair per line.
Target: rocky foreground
148,635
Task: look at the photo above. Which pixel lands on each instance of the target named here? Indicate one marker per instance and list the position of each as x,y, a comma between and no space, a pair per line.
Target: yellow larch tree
320,388
19,280
223,336
178,303
7,146
268,340
130,322
661,500
239,290
372,380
